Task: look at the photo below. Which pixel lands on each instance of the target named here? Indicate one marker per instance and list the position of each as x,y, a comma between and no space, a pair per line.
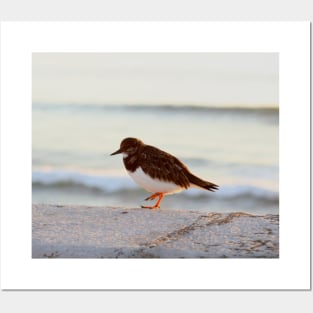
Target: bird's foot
152,197
154,207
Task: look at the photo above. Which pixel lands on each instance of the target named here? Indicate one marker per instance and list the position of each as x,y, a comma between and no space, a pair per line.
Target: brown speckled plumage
159,164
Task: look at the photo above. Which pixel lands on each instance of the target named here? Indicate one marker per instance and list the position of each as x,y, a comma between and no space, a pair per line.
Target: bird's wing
160,164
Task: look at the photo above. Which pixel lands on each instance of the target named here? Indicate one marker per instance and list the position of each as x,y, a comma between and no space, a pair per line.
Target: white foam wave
237,191
111,184
62,178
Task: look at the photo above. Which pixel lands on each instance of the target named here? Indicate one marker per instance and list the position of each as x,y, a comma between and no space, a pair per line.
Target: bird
158,171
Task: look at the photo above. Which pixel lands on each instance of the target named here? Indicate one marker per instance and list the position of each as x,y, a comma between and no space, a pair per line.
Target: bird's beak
116,152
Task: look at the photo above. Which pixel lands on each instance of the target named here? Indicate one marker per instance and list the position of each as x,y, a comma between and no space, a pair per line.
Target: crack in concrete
219,218
174,235
205,221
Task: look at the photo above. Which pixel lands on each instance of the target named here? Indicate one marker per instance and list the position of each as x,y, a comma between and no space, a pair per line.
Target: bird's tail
202,183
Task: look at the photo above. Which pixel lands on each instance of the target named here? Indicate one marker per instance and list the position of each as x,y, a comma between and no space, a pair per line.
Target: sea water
235,148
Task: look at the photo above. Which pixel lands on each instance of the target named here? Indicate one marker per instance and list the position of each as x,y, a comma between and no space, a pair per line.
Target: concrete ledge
60,231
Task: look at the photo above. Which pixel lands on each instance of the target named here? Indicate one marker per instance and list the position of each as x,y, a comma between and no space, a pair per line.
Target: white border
289,39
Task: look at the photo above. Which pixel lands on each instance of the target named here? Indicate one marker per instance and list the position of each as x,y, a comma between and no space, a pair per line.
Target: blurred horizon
199,79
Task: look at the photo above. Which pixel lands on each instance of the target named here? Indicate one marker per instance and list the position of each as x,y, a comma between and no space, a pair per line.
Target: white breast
153,185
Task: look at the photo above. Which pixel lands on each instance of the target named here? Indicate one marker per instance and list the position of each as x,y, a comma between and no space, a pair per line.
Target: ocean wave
74,179
117,184
164,108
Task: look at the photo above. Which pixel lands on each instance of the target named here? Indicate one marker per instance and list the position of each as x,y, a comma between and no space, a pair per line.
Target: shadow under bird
158,171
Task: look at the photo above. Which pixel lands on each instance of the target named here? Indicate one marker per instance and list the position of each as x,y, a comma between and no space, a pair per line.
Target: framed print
155,155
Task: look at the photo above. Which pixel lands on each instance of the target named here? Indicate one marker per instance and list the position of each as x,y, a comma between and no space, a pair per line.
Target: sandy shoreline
61,231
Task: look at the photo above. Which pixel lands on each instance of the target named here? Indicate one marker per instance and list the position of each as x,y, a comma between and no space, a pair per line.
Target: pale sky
213,79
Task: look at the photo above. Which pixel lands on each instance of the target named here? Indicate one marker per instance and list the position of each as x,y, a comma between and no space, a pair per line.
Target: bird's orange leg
157,205
152,197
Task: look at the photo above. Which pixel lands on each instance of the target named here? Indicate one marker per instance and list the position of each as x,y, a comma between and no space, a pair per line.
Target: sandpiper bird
157,171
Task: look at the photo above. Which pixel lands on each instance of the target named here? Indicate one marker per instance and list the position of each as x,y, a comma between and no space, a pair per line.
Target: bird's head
129,146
